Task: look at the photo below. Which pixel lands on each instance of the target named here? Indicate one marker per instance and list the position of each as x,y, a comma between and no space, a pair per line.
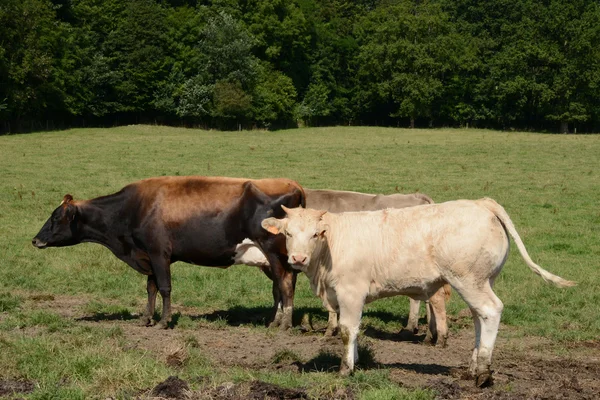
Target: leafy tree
29,48
274,99
407,52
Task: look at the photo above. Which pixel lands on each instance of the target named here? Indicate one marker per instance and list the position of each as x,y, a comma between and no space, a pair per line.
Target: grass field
549,185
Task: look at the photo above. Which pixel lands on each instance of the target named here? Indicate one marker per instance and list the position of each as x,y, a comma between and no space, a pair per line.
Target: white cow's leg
413,316
350,315
332,324
487,309
490,322
330,303
473,362
431,336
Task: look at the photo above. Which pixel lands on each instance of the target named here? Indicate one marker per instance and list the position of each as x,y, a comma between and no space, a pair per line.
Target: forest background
243,64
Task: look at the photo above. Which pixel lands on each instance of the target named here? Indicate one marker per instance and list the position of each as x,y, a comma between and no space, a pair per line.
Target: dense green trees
522,64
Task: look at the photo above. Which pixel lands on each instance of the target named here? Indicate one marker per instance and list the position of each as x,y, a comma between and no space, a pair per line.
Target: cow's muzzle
298,261
39,244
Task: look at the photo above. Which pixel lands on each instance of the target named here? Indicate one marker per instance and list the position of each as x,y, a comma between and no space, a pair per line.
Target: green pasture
549,185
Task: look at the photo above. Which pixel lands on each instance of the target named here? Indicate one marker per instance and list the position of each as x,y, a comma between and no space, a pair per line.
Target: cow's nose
298,259
38,243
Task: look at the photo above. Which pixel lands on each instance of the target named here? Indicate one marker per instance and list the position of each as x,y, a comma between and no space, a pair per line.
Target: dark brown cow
200,220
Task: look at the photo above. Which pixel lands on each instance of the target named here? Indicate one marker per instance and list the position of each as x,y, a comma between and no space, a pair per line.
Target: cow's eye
316,234
287,234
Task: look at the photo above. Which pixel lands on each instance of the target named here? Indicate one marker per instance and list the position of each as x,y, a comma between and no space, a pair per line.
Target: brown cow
200,220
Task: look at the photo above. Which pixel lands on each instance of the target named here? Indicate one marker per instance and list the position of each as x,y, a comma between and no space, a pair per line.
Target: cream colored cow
343,201
358,257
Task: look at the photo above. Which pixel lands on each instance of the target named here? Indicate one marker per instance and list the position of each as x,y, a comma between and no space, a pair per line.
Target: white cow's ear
322,229
273,225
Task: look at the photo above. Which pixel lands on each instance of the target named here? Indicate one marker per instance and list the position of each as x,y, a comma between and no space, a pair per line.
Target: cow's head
60,229
304,231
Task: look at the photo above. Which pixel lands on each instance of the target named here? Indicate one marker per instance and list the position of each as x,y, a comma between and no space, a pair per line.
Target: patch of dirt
9,387
171,388
524,367
174,388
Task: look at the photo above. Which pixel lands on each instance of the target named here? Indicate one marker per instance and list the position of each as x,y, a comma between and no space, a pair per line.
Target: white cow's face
303,230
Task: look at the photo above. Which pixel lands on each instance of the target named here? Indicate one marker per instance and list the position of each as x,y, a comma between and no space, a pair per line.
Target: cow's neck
319,268
100,220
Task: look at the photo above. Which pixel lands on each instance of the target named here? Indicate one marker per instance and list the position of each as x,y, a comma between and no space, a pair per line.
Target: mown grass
549,184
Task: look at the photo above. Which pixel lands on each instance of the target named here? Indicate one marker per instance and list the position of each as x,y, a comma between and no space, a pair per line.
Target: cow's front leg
277,306
350,315
332,322
162,271
152,289
286,281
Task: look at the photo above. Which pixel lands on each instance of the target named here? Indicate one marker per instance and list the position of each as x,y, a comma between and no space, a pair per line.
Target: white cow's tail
501,214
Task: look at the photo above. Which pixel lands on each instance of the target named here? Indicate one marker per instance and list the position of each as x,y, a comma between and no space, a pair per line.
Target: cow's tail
302,195
501,214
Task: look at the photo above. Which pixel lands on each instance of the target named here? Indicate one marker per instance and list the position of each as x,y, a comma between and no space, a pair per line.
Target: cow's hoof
285,325
484,379
330,332
306,324
146,321
162,324
430,339
274,324
442,343
345,370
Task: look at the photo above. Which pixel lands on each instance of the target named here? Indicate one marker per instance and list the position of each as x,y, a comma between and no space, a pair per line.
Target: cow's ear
273,225
70,211
67,199
322,230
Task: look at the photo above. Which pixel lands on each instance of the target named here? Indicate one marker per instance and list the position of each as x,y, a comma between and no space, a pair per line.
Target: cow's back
337,201
410,243
181,197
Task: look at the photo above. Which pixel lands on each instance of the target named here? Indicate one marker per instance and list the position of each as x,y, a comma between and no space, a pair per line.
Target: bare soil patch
10,387
524,368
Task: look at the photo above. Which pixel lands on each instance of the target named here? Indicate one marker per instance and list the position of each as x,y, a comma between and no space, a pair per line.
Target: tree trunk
412,123
564,127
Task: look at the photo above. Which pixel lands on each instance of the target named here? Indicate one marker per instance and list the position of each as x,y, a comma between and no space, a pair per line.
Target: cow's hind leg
438,326
162,271
350,315
152,289
487,309
413,316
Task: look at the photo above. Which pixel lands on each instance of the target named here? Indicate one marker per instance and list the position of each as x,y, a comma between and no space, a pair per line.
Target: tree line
232,64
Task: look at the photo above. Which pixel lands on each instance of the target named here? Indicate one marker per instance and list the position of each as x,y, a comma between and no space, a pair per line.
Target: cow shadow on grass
402,336
255,316
124,315
330,362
